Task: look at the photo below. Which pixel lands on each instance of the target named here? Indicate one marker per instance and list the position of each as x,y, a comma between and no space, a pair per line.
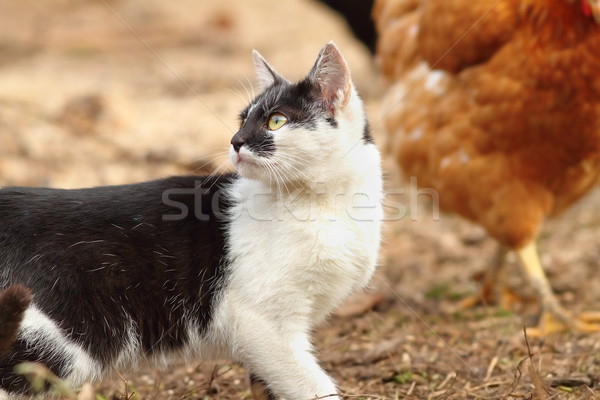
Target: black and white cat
239,266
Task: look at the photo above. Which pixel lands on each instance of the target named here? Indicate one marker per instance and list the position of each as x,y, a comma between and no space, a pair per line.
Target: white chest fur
300,254
293,260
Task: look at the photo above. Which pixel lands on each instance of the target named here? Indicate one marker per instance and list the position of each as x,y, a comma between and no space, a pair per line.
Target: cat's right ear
332,76
265,74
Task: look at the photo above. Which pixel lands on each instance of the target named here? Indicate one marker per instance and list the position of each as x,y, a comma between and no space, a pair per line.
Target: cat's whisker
269,147
216,173
251,86
273,173
287,158
209,160
283,181
246,89
278,184
238,93
270,178
296,151
279,180
221,150
269,170
298,172
221,165
293,157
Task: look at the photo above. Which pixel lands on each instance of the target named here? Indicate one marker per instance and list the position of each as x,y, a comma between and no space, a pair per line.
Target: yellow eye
276,121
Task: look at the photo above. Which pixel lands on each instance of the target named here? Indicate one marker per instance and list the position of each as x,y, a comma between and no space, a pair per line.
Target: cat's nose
237,142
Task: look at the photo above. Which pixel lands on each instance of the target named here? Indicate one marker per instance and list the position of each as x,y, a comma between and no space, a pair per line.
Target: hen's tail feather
13,302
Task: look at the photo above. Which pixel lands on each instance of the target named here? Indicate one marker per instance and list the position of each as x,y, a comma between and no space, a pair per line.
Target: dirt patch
111,92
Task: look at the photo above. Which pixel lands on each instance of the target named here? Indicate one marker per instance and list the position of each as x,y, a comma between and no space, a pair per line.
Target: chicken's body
496,106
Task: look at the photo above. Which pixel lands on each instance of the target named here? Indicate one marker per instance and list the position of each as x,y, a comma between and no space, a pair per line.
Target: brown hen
496,105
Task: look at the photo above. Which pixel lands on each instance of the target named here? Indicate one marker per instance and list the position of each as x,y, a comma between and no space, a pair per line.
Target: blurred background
102,92
108,92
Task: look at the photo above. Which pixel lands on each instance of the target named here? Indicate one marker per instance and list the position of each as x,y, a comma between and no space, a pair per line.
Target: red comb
587,9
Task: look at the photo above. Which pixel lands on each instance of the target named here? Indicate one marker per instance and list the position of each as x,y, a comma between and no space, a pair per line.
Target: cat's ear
332,76
265,74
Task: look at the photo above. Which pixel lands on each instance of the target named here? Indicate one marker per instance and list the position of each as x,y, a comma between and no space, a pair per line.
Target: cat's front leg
286,368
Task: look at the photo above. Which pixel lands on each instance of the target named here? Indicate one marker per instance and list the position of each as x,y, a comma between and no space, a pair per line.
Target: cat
238,266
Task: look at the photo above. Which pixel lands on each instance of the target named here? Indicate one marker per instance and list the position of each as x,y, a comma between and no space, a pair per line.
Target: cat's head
300,132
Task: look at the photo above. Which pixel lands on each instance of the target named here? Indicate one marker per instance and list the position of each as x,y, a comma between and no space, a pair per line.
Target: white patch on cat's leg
41,333
130,354
3,395
288,366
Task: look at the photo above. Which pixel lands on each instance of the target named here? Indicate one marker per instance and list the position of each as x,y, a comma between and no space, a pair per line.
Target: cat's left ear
265,74
332,76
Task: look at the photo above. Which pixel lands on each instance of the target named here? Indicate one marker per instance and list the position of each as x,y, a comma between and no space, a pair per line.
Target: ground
115,91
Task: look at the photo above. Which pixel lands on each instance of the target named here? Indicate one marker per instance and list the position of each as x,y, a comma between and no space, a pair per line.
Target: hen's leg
554,317
492,290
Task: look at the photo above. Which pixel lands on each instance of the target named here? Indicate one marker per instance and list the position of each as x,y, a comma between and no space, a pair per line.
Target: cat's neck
353,189
356,170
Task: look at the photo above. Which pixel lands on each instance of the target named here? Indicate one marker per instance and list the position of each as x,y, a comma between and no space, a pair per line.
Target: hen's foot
504,297
561,321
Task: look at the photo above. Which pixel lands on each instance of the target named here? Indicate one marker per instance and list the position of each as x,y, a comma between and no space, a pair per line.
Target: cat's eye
276,121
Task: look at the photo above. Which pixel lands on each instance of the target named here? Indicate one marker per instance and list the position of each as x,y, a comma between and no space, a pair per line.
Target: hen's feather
507,124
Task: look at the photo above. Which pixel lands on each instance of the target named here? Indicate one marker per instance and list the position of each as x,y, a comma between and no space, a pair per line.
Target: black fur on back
97,258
